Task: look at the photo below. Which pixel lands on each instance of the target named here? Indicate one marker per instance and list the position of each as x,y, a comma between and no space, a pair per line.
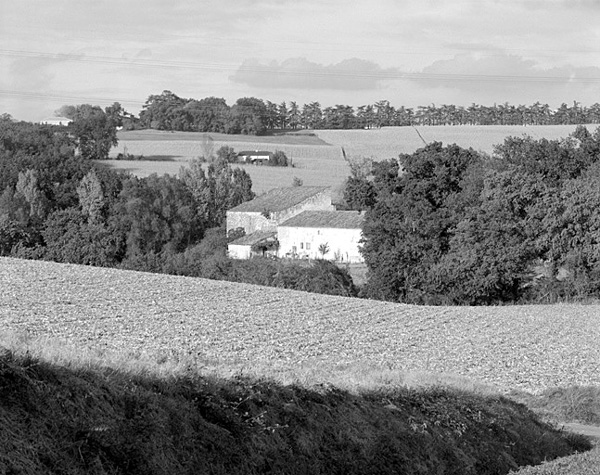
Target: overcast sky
335,52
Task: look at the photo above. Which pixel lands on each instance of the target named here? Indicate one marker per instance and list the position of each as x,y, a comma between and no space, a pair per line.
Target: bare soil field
260,329
316,155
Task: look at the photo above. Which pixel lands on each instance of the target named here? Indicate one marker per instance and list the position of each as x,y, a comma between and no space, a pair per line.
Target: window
294,249
308,246
301,245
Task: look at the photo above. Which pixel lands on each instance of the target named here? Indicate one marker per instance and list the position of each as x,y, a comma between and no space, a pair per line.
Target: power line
61,97
324,72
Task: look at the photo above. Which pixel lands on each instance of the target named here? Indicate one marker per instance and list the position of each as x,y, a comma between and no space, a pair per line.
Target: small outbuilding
256,156
259,243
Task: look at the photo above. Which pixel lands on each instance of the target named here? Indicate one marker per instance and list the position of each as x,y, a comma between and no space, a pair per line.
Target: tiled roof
280,199
253,238
326,219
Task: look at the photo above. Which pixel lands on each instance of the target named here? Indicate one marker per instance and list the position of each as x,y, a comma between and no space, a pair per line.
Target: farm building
295,222
267,211
257,243
256,156
322,234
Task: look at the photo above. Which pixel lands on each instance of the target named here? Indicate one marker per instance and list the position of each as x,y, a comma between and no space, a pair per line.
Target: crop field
290,334
317,156
389,142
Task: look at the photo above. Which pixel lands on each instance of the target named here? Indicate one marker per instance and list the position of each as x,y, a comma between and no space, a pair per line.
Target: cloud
299,73
496,77
469,70
37,72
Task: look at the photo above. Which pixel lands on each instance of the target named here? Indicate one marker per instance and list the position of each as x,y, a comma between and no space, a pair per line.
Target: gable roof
326,219
280,199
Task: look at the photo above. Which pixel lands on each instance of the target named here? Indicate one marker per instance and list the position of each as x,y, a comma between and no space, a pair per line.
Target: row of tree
59,205
446,225
253,116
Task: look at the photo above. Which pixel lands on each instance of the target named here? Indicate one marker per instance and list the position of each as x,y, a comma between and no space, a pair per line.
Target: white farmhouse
260,217
333,235
296,222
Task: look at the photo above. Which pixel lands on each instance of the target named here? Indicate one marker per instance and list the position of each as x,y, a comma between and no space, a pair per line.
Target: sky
411,53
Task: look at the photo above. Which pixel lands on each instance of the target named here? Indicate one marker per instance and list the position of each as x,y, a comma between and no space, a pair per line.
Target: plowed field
526,347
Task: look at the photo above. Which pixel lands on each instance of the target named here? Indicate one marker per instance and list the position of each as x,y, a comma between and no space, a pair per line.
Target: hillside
253,329
57,420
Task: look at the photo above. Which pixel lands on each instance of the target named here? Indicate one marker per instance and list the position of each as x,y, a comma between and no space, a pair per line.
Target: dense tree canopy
447,226
95,130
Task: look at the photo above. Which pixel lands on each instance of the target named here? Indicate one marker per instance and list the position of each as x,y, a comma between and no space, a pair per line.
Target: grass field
316,155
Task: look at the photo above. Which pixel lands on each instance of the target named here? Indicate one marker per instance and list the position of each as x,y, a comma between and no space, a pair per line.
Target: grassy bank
59,419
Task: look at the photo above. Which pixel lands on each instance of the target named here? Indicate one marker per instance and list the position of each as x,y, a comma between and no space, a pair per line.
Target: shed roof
326,219
254,238
254,153
280,199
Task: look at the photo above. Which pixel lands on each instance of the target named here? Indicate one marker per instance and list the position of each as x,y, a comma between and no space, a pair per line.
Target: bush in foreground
59,420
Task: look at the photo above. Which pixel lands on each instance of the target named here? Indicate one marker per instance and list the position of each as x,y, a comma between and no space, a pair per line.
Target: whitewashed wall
343,243
236,251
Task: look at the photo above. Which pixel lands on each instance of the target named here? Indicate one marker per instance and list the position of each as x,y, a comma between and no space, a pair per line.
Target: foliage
156,214
457,228
91,196
71,238
95,130
227,154
192,424
278,159
247,117
250,115
408,230
493,248
320,276
216,190
572,237
323,249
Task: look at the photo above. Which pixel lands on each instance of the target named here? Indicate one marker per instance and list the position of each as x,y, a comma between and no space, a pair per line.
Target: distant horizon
355,106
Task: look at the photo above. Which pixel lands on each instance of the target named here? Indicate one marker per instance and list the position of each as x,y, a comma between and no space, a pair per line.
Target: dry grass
389,142
264,178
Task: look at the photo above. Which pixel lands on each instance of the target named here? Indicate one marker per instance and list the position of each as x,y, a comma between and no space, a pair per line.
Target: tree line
448,225
58,204
253,116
